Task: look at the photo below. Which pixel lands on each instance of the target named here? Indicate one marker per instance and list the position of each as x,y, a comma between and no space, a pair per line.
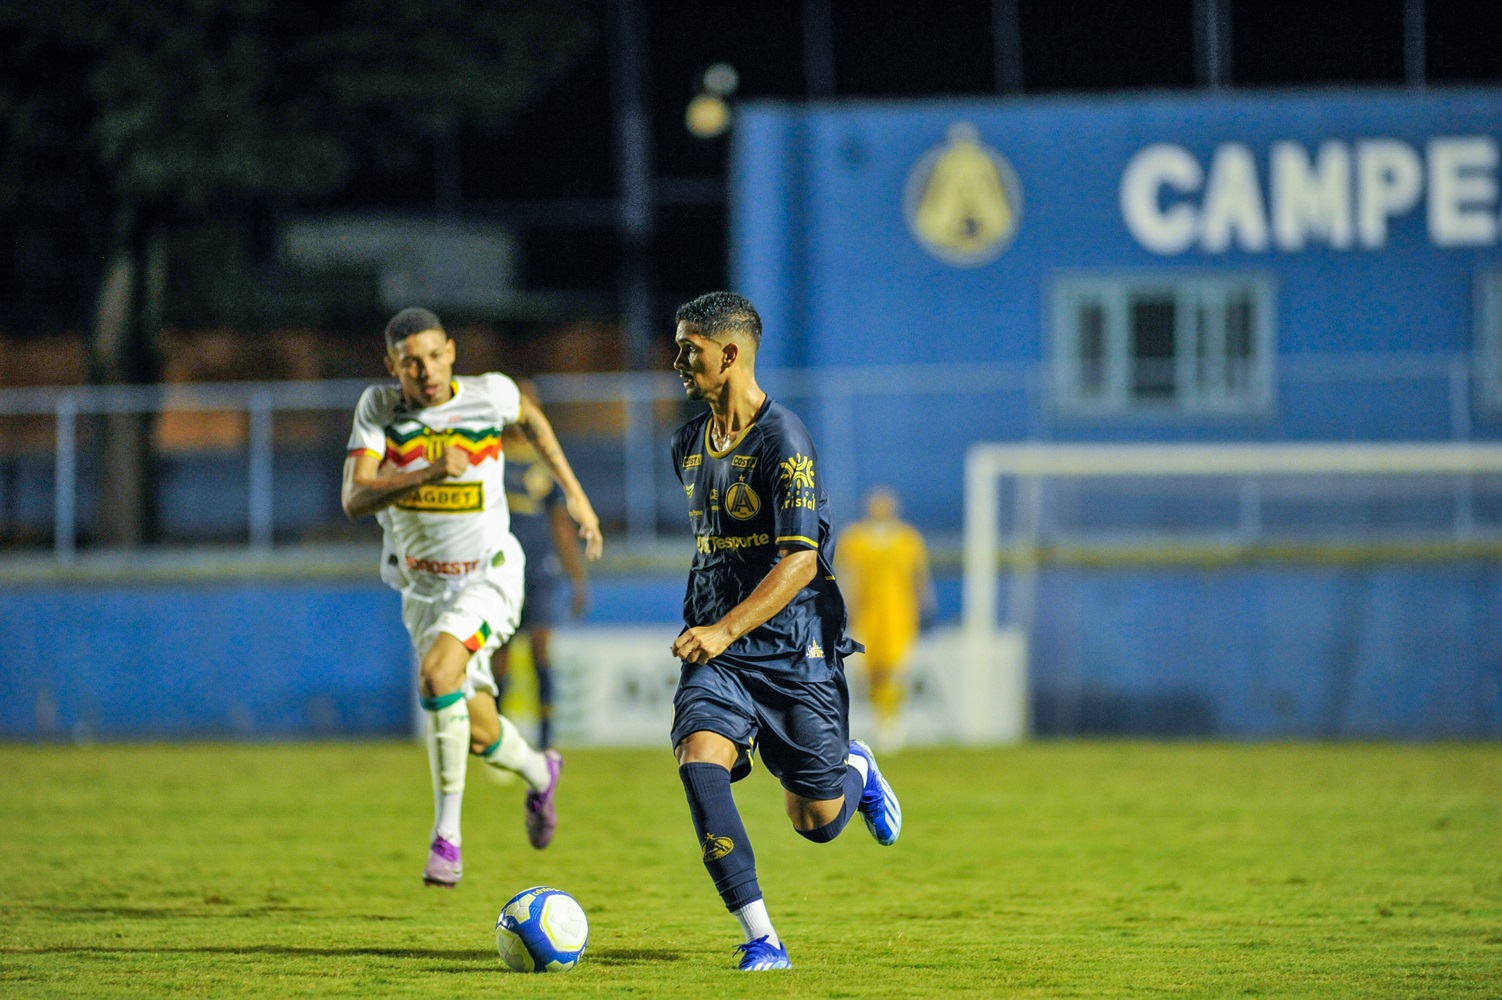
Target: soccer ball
541,929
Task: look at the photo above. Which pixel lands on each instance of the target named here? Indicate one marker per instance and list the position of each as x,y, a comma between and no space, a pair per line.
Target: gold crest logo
741,502
716,848
963,201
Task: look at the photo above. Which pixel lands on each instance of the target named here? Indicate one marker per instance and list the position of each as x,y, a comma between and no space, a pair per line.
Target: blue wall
1380,651
246,659
821,243
1385,651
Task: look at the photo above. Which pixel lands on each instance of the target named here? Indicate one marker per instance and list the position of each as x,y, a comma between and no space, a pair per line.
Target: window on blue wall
1489,339
1193,344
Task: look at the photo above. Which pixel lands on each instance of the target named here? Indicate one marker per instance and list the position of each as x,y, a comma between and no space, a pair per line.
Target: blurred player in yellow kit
883,569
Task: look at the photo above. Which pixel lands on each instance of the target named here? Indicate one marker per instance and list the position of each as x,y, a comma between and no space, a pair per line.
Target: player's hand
447,462
589,525
702,644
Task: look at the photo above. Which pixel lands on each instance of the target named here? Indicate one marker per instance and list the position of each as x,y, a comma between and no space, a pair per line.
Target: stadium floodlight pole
818,49
1212,43
635,209
1414,43
1006,46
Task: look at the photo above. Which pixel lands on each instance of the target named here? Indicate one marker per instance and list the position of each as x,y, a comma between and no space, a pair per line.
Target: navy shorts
543,607
800,727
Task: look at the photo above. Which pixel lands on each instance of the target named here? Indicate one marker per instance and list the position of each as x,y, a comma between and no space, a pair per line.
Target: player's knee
439,676
810,815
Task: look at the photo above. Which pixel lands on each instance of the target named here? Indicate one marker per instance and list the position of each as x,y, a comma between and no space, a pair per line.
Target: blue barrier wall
1271,651
243,659
822,243
1252,652
1380,266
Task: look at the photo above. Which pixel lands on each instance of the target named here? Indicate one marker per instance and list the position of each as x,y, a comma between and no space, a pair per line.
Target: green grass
1050,870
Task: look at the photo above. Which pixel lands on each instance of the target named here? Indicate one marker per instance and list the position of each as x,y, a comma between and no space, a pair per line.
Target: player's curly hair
721,312
407,322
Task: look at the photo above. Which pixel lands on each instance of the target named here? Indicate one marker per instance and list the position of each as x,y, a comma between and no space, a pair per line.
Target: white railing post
65,480
639,463
261,469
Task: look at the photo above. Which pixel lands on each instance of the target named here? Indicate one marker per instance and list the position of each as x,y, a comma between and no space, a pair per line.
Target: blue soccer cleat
879,806
762,955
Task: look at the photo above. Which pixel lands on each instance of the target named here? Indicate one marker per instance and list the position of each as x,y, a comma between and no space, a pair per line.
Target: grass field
1050,870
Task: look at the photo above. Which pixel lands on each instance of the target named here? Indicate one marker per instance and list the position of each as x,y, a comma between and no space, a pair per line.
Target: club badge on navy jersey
741,501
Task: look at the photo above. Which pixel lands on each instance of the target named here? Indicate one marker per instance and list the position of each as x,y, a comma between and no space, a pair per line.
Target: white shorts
481,611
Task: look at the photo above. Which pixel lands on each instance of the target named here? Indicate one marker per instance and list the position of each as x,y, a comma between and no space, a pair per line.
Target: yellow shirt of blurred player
883,566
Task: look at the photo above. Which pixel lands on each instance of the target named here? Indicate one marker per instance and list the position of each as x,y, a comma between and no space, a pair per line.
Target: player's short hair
716,313
407,322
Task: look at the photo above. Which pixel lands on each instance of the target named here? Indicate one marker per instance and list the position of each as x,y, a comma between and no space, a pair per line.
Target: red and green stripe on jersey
405,447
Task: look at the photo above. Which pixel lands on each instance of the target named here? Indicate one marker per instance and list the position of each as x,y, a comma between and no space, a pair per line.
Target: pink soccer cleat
445,867
542,812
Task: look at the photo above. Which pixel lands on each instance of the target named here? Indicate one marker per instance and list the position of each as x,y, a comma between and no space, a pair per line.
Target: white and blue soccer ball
541,929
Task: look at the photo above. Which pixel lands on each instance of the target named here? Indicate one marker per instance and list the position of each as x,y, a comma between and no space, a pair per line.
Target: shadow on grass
596,956
630,956
256,949
229,911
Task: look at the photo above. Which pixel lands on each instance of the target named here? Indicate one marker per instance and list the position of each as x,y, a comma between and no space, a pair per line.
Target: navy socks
854,785
722,836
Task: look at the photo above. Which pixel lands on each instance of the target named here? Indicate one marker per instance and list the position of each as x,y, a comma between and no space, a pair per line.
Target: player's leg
826,776
713,730
500,670
885,683
542,663
705,760
501,746
441,687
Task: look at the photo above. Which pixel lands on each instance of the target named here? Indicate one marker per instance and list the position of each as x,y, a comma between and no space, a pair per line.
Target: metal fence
258,464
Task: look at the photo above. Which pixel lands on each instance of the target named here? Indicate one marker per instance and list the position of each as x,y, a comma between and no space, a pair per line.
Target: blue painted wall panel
1388,651
1256,652
234,660
875,296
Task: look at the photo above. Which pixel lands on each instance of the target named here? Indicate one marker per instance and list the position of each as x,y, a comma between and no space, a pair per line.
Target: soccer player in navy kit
764,634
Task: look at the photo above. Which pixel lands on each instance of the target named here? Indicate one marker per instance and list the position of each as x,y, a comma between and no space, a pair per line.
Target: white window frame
1488,339
1199,382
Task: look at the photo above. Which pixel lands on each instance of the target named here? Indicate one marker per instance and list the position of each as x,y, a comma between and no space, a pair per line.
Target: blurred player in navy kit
540,521
764,623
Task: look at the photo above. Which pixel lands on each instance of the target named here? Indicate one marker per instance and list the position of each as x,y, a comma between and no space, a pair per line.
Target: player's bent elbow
353,509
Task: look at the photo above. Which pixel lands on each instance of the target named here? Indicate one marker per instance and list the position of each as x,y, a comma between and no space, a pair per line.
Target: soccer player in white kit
425,458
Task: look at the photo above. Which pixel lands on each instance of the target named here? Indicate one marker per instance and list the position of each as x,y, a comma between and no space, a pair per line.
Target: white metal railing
840,405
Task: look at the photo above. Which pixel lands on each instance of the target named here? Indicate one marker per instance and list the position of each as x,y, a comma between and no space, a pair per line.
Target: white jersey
446,530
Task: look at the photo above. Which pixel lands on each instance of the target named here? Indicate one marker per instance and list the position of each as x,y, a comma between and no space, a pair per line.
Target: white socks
755,923
858,762
513,753
448,761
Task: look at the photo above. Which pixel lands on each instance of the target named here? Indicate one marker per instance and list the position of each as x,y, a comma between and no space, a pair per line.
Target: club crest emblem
963,201
741,502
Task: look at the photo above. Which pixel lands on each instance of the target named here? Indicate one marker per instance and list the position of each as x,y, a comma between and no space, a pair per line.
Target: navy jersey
744,504
531,494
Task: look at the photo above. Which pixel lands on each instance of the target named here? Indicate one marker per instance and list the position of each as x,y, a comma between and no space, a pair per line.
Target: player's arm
567,545
928,601
794,571
540,433
366,491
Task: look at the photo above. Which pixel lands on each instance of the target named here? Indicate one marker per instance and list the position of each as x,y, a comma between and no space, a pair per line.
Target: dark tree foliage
121,123
178,105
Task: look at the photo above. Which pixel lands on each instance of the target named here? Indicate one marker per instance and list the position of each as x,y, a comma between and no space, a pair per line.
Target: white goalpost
1227,493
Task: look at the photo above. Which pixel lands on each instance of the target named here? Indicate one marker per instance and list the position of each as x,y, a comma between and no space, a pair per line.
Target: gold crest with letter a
963,201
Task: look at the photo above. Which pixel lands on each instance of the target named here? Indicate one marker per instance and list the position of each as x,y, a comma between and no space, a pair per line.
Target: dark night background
539,153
